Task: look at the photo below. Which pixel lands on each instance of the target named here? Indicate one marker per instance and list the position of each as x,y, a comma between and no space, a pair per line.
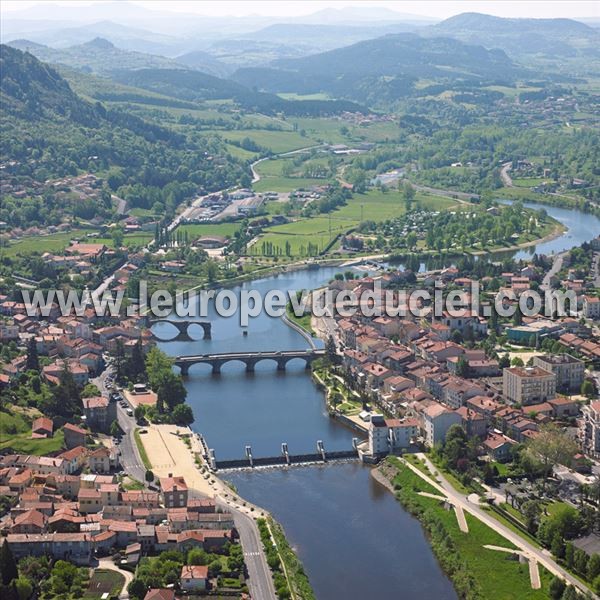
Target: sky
283,8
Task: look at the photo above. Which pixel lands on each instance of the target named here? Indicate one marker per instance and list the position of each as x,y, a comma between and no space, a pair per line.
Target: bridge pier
207,328
216,368
185,369
250,366
281,364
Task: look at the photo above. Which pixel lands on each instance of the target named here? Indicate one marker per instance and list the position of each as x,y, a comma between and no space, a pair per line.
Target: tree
135,365
593,568
137,589
581,561
557,588
462,367
531,511
517,361
408,194
8,565
115,430
183,415
66,399
587,388
552,446
504,361
149,476
331,350
139,413
33,362
558,545
117,237
569,555
24,588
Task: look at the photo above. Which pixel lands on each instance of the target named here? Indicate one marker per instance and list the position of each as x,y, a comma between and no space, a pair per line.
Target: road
121,204
129,454
506,178
260,582
542,556
554,269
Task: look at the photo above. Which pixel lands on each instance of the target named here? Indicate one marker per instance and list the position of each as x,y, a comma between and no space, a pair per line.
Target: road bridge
182,328
250,359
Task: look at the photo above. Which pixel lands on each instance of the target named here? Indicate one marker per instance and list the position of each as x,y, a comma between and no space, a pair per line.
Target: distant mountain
322,37
362,14
98,56
128,38
551,37
205,62
385,68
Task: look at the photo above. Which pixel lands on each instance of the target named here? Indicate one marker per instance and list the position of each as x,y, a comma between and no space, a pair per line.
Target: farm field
199,230
316,230
276,141
530,181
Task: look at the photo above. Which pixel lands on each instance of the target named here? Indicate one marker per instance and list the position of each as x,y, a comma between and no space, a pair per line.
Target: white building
437,419
589,432
391,435
591,307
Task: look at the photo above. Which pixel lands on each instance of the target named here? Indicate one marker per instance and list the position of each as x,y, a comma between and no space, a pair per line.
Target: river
354,539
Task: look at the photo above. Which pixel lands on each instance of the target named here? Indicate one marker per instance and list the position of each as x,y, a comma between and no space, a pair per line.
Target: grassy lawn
55,242
496,574
272,178
129,240
23,443
276,141
530,181
199,230
142,450
240,153
105,581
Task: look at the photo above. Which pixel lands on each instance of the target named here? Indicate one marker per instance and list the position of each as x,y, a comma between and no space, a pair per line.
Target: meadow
321,230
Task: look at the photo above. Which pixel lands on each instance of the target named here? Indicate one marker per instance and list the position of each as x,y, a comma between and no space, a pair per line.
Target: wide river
355,540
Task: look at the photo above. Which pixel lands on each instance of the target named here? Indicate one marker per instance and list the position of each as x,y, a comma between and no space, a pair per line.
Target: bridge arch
250,359
182,327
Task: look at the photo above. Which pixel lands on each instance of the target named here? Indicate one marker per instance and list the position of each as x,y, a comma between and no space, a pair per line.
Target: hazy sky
285,8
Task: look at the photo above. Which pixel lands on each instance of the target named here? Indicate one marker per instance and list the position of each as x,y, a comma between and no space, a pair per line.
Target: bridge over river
250,359
183,334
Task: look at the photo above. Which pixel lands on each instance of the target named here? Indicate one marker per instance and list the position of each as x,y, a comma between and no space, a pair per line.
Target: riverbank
476,570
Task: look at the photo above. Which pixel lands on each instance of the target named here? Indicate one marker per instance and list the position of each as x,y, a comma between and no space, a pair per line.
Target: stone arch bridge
182,329
250,359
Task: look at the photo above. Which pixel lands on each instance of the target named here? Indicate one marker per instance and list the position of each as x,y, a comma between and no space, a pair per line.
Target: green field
240,152
294,96
105,581
322,229
199,230
276,141
57,242
23,443
530,181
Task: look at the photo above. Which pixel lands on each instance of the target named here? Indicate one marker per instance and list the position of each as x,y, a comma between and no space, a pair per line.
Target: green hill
384,68
518,37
